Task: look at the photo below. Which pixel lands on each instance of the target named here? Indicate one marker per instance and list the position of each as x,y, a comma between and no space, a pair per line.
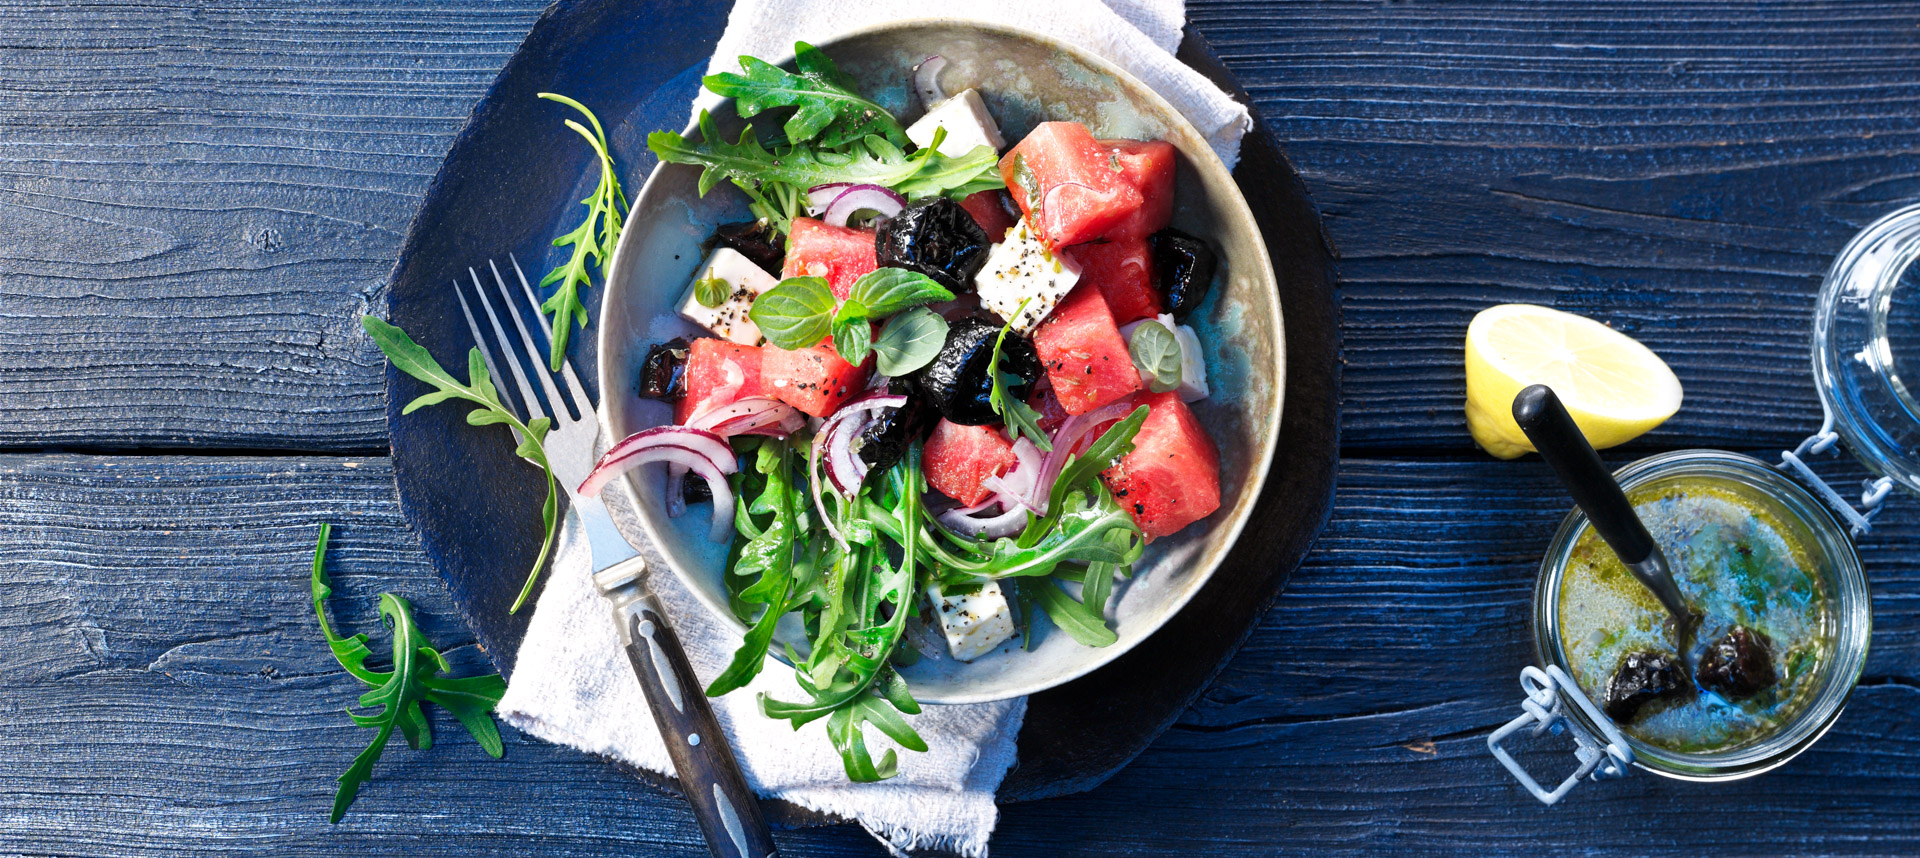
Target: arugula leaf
795,314
398,693
593,241
1082,532
777,180
409,357
1156,354
770,554
1020,417
910,341
1080,471
1075,618
848,679
825,101
886,291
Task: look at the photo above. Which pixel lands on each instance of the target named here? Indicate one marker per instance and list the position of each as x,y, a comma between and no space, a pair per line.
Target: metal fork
728,814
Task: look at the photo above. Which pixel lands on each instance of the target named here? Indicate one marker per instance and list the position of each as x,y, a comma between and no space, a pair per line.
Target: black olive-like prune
892,430
936,237
1183,271
663,375
1643,677
756,240
694,488
1738,665
959,381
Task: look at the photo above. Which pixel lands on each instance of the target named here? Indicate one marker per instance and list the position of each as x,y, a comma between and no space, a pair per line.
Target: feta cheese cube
1193,363
1020,268
744,282
975,622
968,125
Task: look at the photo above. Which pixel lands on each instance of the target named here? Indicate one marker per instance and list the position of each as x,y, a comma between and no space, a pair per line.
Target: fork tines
522,353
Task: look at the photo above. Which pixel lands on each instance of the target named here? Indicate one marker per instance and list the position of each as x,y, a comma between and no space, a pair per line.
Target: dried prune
663,375
959,382
892,430
1183,270
694,488
756,240
936,237
1738,665
1643,677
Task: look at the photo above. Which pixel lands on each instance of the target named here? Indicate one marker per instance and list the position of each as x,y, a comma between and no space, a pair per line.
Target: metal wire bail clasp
1873,493
1545,707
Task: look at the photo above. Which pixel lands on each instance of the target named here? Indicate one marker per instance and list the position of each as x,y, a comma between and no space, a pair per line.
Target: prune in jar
1183,270
694,488
959,381
1643,677
756,240
934,236
663,375
886,438
1738,665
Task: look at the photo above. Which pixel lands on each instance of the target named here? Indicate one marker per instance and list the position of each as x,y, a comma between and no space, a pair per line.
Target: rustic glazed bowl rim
1237,217
1839,562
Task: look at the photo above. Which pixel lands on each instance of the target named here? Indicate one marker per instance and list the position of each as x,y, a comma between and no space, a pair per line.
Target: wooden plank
199,199
1685,171
159,635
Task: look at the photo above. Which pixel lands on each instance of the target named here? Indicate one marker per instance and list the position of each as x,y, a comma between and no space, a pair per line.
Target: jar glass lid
1866,346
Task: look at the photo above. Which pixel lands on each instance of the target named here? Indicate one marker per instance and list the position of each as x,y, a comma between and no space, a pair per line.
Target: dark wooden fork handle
728,813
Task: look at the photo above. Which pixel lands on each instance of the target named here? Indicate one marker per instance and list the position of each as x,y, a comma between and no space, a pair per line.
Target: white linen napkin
571,683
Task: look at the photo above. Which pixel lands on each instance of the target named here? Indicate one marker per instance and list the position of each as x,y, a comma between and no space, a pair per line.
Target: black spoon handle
1553,432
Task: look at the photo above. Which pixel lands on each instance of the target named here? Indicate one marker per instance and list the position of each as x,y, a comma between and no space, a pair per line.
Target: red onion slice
722,528
1066,441
1007,523
676,490
844,467
1017,485
926,81
822,195
814,479
755,415
874,198
617,461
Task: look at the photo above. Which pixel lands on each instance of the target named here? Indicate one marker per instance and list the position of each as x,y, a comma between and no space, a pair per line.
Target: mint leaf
711,291
1156,354
796,314
826,105
886,291
852,333
910,341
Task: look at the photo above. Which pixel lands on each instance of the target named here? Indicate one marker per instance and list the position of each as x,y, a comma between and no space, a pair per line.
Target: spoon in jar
1552,430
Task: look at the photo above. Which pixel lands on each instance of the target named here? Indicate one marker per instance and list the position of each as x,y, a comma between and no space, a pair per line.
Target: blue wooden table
198,200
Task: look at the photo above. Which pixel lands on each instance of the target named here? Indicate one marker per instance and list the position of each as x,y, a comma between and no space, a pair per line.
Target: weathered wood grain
1684,171
197,199
165,691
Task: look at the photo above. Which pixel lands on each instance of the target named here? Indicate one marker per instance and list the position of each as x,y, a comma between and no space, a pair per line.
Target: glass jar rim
1867,402
1840,565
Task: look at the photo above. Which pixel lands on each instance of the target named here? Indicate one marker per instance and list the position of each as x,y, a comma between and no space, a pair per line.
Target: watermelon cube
815,380
1085,356
958,460
837,253
1123,271
1069,186
719,373
1172,477
993,211
1147,165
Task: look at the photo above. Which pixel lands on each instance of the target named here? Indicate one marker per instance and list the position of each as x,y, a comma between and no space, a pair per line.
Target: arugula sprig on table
409,357
398,693
593,241
800,312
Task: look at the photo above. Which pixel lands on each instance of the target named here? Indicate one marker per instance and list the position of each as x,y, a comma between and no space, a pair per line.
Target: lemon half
1615,388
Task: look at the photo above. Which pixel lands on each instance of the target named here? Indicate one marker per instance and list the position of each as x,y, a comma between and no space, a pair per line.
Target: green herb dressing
1738,561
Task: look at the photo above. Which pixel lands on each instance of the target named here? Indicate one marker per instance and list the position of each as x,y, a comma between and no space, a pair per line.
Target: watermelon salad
943,395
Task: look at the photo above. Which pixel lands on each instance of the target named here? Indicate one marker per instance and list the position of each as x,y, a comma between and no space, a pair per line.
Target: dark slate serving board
512,180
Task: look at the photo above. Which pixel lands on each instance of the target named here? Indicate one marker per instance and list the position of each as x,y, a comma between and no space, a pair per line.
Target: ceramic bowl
1025,78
